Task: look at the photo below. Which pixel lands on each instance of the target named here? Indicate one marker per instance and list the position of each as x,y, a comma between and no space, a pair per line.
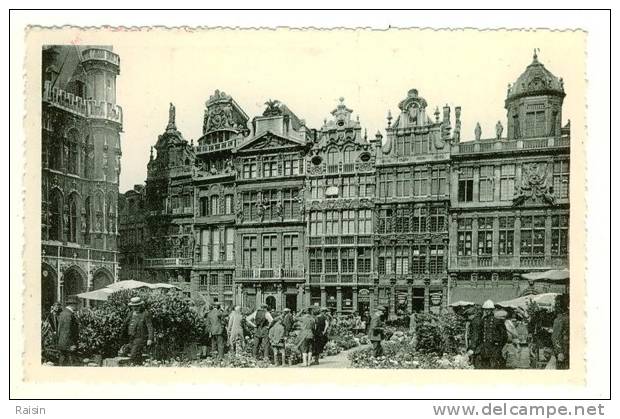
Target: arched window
72,156
111,214
348,155
99,213
55,215
332,156
73,219
54,154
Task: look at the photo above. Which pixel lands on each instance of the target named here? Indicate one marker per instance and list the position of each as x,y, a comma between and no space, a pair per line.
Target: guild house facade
268,210
80,149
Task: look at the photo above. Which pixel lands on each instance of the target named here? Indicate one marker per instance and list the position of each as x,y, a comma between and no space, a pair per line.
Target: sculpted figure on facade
499,129
478,131
536,184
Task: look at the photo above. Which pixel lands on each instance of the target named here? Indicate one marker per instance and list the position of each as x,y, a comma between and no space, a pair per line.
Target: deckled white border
443,394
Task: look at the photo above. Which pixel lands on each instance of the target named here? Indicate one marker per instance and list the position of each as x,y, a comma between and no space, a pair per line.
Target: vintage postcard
404,205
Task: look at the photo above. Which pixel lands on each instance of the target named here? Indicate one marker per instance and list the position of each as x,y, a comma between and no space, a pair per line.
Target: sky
310,70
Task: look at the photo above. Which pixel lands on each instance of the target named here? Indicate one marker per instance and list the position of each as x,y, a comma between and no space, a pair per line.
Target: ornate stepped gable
223,113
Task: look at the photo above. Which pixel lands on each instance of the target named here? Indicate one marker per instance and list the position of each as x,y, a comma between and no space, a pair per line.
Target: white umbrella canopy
129,284
553,275
462,304
101,294
546,301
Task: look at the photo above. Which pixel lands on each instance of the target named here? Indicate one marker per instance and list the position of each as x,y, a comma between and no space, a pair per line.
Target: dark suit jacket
144,326
68,330
375,330
488,335
214,322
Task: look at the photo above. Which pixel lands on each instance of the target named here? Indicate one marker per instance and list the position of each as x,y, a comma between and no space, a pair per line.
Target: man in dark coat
320,333
376,332
260,320
287,322
216,330
68,333
488,337
138,329
561,332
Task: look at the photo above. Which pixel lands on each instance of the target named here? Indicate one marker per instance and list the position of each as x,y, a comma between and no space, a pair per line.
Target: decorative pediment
269,140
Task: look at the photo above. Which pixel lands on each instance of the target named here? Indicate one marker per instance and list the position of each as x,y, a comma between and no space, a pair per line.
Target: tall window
292,167
363,259
331,223
559,235
317,188
250,200
435,259
403,145
463,247
229,235
418,221
316,223
347,260
348,222
561,172
291,205
270,167
535,123
249,169
73,219
215,205
385,265
485,236
485,184
291,250
331,260
437,219
466,184
507,182
420,182
367,185
215,244
87,215
506,235
73,145
347,155
55,153
55,211
270,249
228,204
418,259
205,241
533,235
386,185
401,222
438,181
349,188
364,221
421,144
385,221
403,184
316,261
401,260
249,251
332,160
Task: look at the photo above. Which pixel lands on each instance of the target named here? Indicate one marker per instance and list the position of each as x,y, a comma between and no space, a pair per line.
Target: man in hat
260,321
488,337
376,332
138,329
216,329
68,333
287,321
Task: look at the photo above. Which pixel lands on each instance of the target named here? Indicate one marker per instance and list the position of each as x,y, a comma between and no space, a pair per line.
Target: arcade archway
74,282
49,289
101,279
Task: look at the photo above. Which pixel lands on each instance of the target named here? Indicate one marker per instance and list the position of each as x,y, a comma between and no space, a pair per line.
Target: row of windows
217,244
418,182
214,281
213,205
408,220
533,234
346,187
412,144
340,260
488,182
273,253
273,205
414,259
271,167
335,222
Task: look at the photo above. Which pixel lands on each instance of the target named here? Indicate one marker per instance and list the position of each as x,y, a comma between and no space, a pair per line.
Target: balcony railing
101,55
269,273
485,261
167,262
488,146
532,261
77,105
209,148
81,253
347,240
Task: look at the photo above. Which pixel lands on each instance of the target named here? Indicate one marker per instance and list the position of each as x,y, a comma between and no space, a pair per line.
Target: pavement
340,360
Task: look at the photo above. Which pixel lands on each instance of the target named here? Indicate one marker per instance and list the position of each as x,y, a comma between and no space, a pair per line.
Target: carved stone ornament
536,184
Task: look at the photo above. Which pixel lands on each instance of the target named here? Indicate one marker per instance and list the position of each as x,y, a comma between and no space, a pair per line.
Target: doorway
291,302
271,302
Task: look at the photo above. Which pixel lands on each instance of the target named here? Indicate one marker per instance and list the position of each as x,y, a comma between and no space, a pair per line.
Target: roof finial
536,54
171,118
